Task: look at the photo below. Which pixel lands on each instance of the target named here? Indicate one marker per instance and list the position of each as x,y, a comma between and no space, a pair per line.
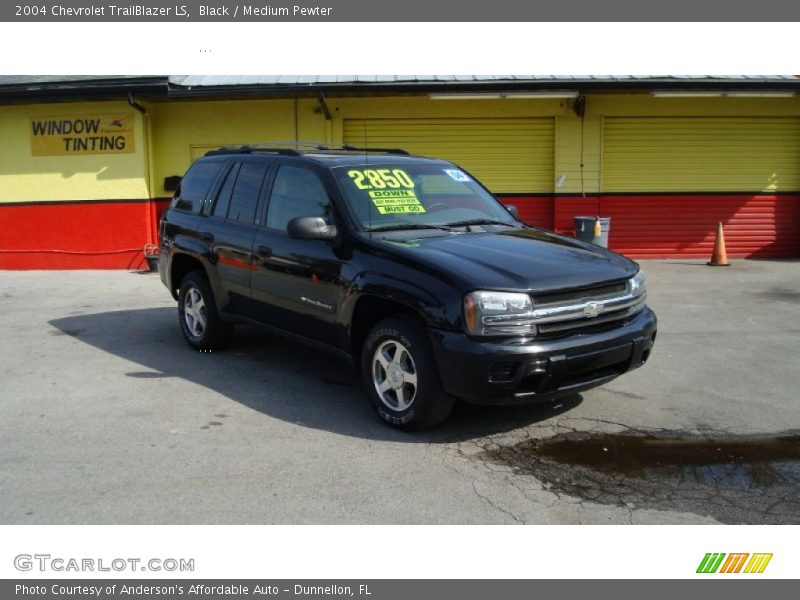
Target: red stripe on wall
756,225
681,225
111,235
70,235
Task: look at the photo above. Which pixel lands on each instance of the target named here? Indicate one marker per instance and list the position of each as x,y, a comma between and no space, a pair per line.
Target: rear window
196,184
244,198
224,196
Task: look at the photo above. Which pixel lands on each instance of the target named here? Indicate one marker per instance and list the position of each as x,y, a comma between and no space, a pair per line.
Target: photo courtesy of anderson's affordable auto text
210,589
491,307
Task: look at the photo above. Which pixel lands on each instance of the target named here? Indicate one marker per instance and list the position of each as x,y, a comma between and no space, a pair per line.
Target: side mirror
513,210
311,228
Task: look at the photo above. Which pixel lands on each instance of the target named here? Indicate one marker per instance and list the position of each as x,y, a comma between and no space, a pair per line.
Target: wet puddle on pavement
734,479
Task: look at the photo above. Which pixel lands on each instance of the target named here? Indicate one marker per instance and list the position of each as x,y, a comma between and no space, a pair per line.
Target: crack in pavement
495,506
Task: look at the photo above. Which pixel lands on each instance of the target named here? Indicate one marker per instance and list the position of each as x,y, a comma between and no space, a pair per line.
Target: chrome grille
561,327
589,293
599,307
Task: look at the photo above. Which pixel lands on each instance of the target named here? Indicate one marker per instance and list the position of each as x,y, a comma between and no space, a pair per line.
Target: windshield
428,195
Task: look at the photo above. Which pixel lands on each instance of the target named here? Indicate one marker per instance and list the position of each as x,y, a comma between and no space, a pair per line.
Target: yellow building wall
571,134
576,142
182,131
541,113
508,155
680,154
25,178
697,144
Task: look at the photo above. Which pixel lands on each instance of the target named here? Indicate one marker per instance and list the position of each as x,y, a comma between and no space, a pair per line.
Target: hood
521,259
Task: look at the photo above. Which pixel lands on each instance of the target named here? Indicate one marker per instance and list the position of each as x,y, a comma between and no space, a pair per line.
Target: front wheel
400,376
197,312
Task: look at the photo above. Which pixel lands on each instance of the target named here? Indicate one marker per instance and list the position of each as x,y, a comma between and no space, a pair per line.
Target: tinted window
296,193
224,196
196,184
245,192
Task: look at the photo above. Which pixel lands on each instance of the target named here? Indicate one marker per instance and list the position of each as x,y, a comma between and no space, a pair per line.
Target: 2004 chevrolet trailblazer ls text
405,265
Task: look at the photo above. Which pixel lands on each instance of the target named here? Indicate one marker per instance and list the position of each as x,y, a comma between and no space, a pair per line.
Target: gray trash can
584,230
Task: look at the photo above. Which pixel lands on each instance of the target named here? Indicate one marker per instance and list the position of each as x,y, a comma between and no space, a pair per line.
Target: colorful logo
734,563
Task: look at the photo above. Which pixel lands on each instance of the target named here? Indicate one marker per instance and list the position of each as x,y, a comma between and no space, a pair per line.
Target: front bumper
510,372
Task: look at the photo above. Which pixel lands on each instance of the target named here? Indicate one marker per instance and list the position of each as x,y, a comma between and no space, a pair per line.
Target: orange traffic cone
719,257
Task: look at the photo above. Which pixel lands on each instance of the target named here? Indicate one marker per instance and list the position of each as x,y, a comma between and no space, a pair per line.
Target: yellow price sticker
379,179
405,209
375,194
392,202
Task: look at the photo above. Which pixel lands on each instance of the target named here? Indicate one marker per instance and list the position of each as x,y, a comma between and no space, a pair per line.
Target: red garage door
668,181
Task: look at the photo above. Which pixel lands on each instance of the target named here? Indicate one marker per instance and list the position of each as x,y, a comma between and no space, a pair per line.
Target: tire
397,358
197,314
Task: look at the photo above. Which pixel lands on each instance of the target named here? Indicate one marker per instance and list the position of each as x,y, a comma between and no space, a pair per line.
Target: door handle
264,251
207,237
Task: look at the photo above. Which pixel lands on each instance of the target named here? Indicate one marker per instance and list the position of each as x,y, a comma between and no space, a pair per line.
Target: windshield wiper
479,222
406,226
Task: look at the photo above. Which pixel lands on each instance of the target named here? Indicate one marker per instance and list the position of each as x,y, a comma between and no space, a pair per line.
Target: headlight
498,313
637,284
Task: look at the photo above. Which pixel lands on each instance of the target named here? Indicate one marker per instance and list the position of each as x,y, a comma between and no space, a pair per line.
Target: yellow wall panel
506,154
183,131
743,154
568,153
26,178
517,111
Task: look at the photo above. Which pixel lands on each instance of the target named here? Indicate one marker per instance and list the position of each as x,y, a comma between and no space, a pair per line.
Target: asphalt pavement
109,417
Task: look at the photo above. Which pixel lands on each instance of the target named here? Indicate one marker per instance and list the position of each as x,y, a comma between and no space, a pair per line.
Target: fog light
503,371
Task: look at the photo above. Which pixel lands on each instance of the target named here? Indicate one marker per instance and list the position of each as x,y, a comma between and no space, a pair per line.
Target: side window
244,198
224,196
296,192
195,185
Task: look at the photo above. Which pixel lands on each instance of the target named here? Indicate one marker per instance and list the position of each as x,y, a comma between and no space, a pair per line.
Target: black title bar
385,589
401,11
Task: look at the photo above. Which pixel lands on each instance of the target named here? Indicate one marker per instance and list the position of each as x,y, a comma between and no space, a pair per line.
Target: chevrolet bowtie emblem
592,309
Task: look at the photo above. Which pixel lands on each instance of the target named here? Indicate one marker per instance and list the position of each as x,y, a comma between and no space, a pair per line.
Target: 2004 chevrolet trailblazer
405,265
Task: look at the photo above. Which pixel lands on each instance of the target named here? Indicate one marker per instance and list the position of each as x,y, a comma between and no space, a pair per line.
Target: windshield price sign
391,202
378,179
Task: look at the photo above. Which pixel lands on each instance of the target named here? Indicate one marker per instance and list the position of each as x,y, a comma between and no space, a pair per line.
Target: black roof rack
258,147
288,148
384,150
296,148
246,150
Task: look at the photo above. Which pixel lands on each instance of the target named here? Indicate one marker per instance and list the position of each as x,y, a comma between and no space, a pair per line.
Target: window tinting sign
85,134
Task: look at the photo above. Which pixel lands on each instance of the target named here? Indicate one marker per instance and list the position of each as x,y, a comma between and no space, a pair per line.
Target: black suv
406,266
